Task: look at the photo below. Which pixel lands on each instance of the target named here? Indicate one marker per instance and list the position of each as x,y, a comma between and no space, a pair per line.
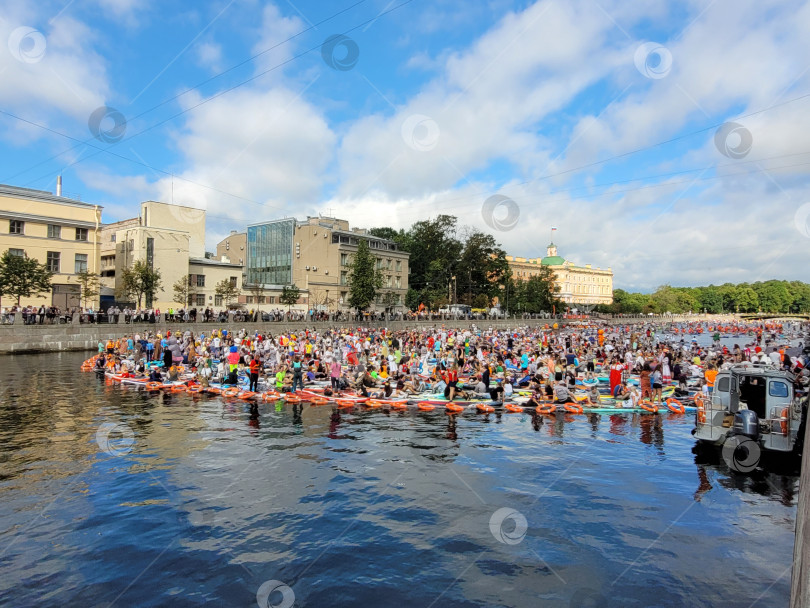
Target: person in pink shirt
334,374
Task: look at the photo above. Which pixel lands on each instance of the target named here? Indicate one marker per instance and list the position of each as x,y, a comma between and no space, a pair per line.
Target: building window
81,234
271,299
201,280
200,299
16,227
248,299
112,238
150,251
344,259
217,300
54,231
80,263
20,253
398,282
270,251
399,265
53,261
343,277
233,281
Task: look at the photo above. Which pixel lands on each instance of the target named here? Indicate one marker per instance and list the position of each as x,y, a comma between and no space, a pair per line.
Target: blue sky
662,139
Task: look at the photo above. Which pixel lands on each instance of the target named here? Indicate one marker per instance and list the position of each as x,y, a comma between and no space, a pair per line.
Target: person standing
255,366
334,373
298,374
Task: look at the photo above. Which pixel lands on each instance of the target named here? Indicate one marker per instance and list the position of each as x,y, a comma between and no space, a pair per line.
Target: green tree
227,290
89,286
481,266
538,293
434,253
23,277
139,282
184,291
257,291
398,236
413,298
364,279
289,295
710,299
746,300
389,300
481,301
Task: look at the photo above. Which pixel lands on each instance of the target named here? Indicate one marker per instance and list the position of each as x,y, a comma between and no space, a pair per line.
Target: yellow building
55,230
577,284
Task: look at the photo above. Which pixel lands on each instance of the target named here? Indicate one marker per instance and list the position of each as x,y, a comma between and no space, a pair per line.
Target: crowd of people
468,363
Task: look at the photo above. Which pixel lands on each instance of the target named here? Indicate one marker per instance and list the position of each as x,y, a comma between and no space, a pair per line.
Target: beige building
203,276
57,231
170,238
233,247
315,255
577,284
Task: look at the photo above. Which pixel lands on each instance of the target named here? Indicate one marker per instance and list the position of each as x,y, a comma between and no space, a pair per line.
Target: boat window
722,384
777,389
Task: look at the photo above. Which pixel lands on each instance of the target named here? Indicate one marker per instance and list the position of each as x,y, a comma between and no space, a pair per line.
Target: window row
54,259
260,299
54,230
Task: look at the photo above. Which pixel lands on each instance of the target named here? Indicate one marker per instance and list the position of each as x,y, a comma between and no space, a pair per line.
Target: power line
225,91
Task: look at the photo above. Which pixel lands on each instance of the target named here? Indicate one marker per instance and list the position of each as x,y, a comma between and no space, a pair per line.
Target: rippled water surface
111,497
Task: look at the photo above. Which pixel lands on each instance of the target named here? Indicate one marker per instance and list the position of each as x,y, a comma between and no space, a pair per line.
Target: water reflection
366,507
777,481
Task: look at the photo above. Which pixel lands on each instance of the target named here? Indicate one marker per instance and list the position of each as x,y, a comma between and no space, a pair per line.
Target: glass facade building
270,253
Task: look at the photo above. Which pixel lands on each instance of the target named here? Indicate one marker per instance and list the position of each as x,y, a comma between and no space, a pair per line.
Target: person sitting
508,390
415,385
593,398
480,388
620,393
561,393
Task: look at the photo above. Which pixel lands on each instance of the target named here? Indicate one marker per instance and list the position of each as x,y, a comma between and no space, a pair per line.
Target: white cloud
273,34
267,146
209,56
50,72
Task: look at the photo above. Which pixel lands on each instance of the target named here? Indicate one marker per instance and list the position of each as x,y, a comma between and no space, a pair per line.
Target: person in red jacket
255,368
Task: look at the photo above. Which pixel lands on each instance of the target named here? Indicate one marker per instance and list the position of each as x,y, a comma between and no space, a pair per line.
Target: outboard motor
746,422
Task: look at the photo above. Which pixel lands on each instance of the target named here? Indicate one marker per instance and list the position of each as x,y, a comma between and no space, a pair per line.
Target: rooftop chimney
58,185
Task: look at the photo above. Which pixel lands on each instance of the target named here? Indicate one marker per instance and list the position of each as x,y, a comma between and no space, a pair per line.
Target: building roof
210,262
552,260
41,195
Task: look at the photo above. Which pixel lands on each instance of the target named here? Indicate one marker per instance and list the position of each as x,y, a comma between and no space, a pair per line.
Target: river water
109,497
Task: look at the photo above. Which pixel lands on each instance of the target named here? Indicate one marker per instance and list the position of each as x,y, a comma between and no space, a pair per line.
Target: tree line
763,296
452,264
